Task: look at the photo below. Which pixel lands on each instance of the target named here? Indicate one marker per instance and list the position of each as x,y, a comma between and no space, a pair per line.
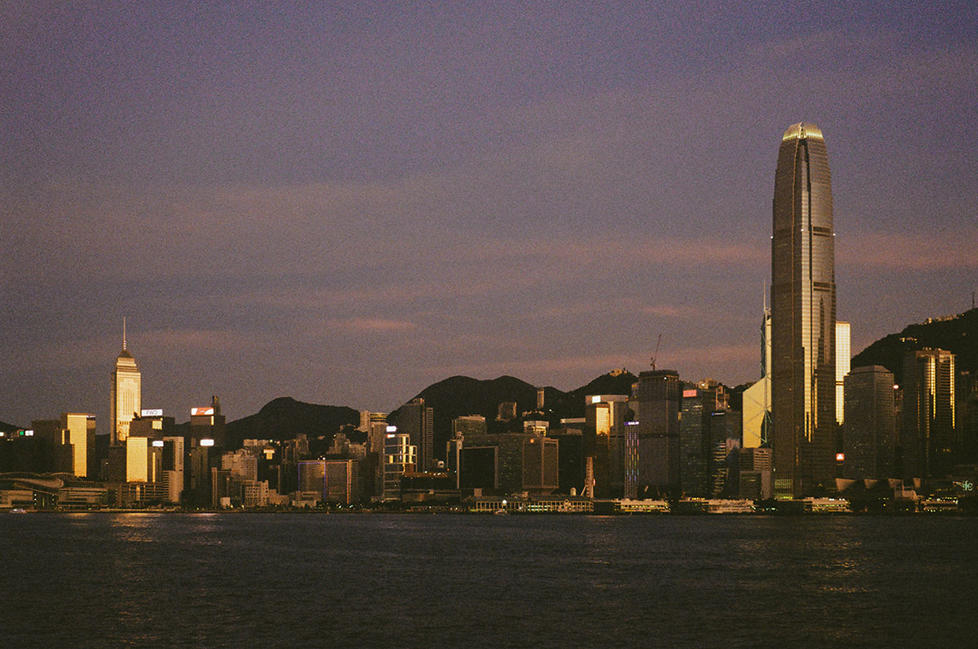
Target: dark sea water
291,580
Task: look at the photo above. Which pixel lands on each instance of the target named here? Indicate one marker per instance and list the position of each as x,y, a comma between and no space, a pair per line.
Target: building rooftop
802,131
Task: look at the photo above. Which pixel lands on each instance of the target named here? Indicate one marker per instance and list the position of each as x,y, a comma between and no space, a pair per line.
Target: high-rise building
400,457
708,431
658,432
927,429
126,393
966,417
843,358
207,422
144,459
79,431
418,421
803,314
756,408
605,416
870,423
173,462
754,476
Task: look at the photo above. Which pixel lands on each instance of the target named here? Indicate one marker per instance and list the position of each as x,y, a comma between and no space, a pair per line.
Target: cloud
597,363
780,49
362,325
186,341
687,360
907,252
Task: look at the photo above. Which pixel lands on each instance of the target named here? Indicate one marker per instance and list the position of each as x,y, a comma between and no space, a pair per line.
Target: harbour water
374,580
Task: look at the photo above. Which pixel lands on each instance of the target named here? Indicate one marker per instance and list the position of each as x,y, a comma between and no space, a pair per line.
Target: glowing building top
802,131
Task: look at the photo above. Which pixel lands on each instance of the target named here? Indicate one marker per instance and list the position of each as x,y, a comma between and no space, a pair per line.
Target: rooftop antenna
123,333
656,352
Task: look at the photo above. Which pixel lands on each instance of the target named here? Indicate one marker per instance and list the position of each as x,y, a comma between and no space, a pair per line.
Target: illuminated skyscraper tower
843,363
126,392
802,314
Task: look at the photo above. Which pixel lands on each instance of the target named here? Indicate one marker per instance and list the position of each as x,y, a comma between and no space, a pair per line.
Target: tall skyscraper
756,407
870,423
843,361
604,441
79,431
927,430
658,432
418,421
699,431
802,314
126,393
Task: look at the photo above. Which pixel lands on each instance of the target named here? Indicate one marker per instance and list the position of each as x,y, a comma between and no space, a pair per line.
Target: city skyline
347,205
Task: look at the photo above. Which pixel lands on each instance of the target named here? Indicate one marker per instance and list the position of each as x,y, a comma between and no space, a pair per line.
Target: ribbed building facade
126,395
802,314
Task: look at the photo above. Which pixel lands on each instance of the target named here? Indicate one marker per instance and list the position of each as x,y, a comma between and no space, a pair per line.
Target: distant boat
501,512
18,510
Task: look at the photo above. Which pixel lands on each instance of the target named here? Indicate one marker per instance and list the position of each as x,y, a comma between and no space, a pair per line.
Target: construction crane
656,352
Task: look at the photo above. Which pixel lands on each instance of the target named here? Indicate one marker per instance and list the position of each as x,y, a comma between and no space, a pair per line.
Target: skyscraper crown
802,131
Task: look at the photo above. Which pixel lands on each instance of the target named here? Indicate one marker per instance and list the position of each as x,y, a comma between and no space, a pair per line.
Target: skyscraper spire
123,333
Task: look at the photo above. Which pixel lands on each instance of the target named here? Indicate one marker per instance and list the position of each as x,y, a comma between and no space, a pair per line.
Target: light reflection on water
481,581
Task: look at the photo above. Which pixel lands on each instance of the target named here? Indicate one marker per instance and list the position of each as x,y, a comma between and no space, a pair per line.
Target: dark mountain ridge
957,334
284,418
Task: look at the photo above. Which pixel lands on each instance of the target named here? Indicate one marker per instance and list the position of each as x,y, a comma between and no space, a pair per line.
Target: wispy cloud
367,325
196,340
898,251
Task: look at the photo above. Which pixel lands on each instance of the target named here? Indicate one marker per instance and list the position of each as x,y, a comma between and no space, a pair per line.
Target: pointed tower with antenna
126,392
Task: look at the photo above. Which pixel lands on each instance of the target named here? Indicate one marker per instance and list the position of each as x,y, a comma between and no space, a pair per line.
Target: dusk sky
345,204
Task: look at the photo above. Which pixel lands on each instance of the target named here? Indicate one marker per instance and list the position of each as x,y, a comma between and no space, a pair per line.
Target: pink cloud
898,251
372,324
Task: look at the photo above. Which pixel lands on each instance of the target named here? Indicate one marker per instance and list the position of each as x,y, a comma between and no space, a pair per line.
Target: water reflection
136,527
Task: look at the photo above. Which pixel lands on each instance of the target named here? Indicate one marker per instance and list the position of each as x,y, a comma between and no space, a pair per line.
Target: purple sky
346,204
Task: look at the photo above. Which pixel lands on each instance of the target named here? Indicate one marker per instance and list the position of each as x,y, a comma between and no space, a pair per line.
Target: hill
958,334
284,418
611,383
462,395
8,428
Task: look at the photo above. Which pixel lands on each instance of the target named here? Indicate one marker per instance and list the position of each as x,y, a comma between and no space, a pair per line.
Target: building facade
605,416
869,431
928,422
803,303
418,421
756,408
126,394
658,432
79,431
843,360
